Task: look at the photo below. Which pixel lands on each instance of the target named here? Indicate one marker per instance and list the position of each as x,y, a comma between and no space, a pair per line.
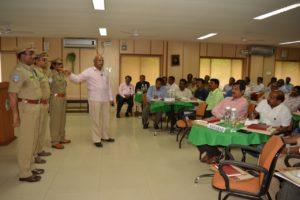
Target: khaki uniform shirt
44,81
24,81
58,83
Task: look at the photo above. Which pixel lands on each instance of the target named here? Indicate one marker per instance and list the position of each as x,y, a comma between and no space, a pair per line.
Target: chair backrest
201,110
251,108
144,101
268,158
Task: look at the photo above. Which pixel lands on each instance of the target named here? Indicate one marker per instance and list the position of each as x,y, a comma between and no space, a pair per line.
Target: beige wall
189,53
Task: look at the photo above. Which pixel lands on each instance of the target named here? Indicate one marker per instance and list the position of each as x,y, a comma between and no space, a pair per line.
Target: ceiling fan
7,30
136,34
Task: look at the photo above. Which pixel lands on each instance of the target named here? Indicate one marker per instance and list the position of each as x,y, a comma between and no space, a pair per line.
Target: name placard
216,127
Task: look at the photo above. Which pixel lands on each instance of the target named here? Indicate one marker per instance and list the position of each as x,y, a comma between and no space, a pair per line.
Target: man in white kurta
100,97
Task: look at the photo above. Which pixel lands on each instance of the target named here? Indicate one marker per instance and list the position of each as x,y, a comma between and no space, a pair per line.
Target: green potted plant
71,57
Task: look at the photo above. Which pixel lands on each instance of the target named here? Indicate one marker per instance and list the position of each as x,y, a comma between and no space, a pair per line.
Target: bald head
275,98
98,61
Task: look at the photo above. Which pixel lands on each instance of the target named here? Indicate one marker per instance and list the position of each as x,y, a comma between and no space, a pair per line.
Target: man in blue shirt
154,92
201,93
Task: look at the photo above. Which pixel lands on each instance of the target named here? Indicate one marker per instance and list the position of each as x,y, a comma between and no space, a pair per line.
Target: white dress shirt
173,87
277,116
259,88
98,83
125,89
186,93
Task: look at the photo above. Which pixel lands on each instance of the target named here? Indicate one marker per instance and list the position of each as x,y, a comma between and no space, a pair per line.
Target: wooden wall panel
36,41
228,50
55,47
8,63
214,50
142,47
191,59
175,48
203,49
293,54
256,67
157,47
130,46
8,43
269,68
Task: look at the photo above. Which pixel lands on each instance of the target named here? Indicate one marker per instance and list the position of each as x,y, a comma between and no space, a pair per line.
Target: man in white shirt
292,100
171,85
260,86
274,113
99,96
126,92
183,92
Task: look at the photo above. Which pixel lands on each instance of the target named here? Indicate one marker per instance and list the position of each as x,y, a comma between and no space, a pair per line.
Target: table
176,106
201,135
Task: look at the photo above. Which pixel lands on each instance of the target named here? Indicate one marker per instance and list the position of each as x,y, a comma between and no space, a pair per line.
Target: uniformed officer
42,73
25,94
58,86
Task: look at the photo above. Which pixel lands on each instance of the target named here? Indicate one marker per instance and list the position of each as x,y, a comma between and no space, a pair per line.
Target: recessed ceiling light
98,4
207,36
292,42
275,12
103,31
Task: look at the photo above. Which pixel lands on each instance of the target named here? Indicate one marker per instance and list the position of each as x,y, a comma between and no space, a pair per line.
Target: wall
189,53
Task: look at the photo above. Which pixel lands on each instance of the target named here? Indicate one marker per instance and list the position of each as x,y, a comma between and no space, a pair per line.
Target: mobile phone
244,131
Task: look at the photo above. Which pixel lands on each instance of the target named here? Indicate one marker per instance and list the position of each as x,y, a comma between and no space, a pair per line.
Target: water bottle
227,115
233,120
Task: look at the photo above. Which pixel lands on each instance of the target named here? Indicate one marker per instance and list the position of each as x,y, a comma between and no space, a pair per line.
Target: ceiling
183,20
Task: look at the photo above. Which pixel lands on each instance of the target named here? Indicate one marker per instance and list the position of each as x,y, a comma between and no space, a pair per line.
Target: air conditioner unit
261,50
80,43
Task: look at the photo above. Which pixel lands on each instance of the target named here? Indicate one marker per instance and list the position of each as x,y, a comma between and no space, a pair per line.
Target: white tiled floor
138,166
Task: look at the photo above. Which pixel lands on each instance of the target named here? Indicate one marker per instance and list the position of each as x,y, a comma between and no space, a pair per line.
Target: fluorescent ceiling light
207,36
275,12
98,4
292,42
103,31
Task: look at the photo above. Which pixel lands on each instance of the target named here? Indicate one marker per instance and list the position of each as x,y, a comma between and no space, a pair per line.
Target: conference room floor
138,166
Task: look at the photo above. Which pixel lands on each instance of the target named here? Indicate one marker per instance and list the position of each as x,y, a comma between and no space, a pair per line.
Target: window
221,69
285,69
137,65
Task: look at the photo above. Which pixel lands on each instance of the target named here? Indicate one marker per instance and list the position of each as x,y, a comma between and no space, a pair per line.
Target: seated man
171,85
228,86
274,113
260,87
126,92
141,87
214,96
236,101
201,93
292,100
154,92
183,92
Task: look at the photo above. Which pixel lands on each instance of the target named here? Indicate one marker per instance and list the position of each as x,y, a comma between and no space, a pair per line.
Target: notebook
262,127
229,170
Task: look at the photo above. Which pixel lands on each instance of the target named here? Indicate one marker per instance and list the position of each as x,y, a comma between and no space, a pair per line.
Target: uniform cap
57,60
41,54
23,48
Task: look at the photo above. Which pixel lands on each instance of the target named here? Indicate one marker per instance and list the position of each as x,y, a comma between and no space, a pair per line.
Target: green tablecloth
161,106
138,97
296,118
201,135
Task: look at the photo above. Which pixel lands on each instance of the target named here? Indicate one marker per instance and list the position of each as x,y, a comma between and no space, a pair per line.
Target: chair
257,186
186,123
251,108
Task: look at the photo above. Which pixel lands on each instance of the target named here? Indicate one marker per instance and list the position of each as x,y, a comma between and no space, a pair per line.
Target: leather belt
59,95
30,101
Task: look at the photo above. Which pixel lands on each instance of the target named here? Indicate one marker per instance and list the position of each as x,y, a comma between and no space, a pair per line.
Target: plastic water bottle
227,115
233,120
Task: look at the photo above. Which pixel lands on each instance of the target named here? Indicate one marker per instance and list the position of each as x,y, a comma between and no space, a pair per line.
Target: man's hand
155,97
112,103
67,72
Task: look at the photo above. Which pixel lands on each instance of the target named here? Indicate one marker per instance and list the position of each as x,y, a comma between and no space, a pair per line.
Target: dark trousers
210,150
121,101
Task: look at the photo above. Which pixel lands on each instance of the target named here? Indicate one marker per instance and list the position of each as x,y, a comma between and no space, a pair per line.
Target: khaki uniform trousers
99,120
57,119
27,137
44,116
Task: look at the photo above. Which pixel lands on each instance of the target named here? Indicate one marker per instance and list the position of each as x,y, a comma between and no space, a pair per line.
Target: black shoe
145,125
118,115
38,171
98,144
156,126
39,160
126,114
32,178
108,140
